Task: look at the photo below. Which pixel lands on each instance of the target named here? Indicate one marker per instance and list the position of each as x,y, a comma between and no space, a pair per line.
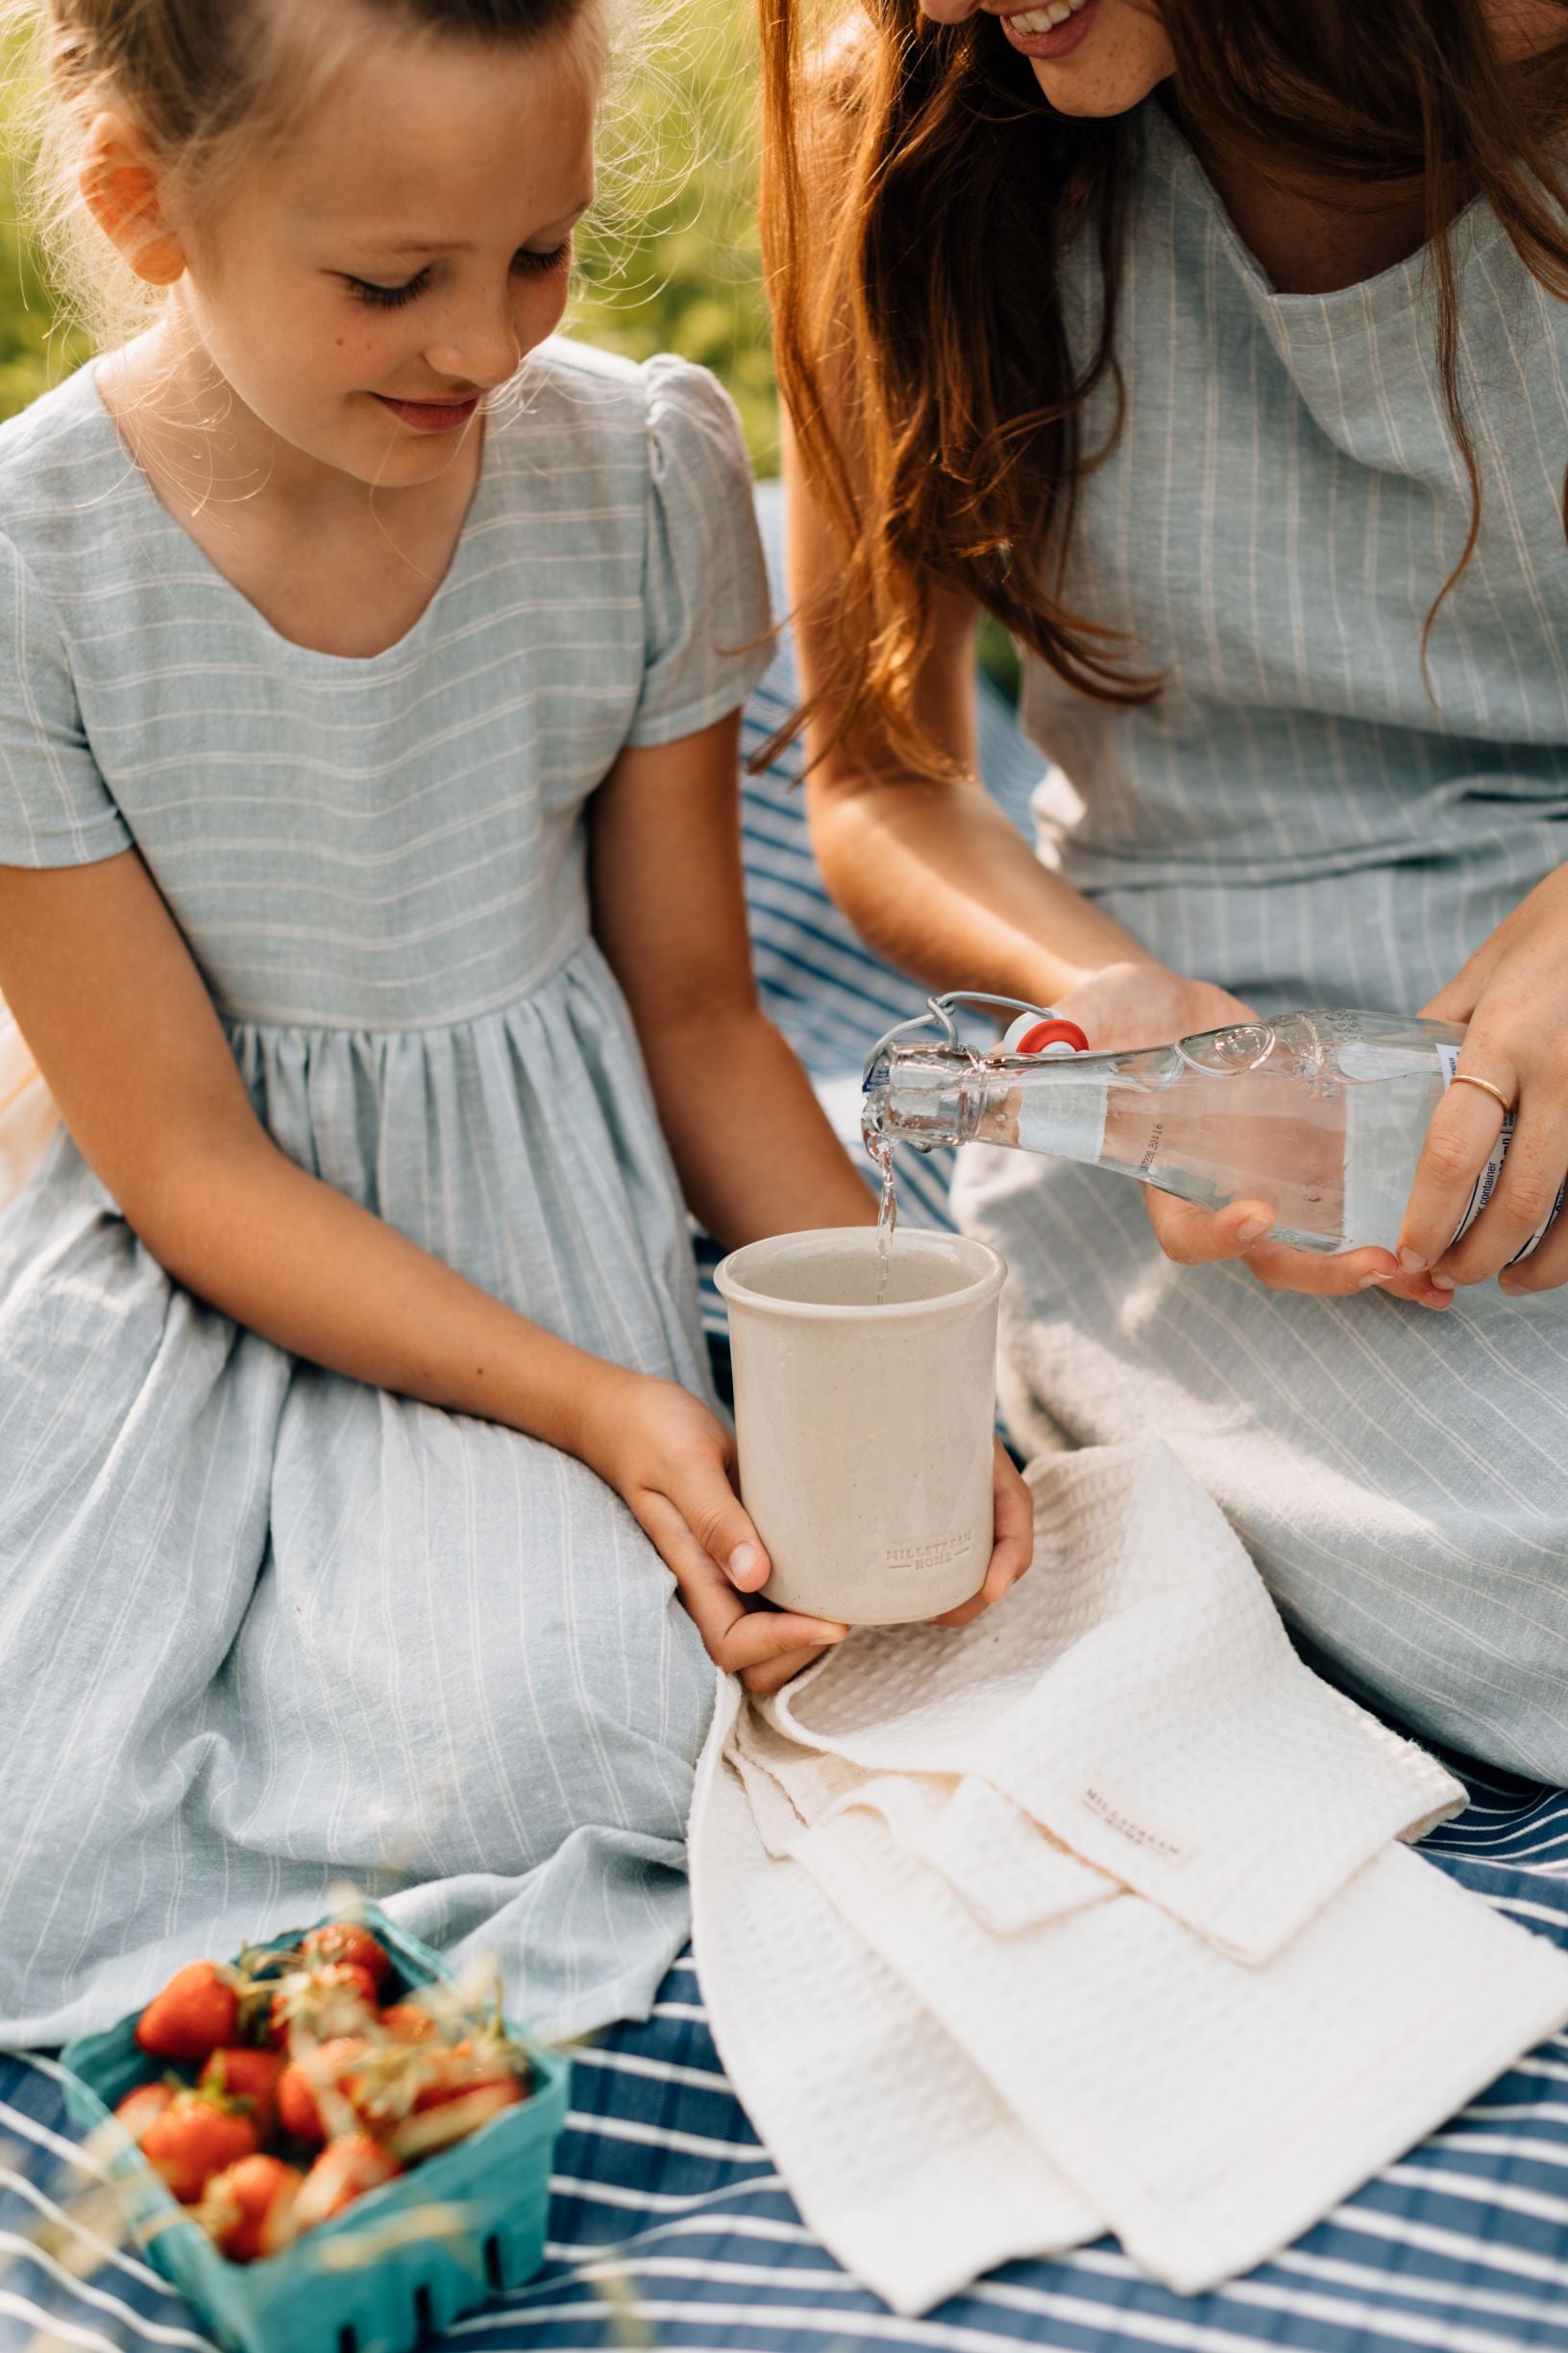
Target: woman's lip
1060,42
431,416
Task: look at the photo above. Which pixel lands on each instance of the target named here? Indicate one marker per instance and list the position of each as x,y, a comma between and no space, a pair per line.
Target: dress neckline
288,649
1357,310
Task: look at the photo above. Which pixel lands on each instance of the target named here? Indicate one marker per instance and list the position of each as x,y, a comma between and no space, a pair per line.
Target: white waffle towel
1090,1918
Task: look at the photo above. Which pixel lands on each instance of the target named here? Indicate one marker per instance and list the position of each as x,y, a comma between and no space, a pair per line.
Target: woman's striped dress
1300,819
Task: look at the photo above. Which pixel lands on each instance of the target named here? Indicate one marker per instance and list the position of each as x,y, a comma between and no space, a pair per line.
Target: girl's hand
1513,994
1014,1546
1130,1005
671,1460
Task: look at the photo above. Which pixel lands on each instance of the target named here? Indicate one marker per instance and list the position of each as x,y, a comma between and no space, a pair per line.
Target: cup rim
988,1280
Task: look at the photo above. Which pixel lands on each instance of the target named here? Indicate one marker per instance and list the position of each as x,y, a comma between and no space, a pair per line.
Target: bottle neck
931,1096
925,1096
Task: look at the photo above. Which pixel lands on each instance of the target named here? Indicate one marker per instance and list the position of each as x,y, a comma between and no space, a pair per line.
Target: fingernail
1443,1283
1369,1282
742,1561
1254,1230
1411,1262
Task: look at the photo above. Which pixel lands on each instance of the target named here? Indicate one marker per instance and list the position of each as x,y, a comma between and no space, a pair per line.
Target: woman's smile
1053,29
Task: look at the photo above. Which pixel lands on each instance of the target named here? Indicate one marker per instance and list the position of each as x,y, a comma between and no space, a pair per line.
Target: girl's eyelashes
387,297
532,264
526,262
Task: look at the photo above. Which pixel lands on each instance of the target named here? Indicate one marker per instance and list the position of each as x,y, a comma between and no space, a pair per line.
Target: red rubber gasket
1052,1033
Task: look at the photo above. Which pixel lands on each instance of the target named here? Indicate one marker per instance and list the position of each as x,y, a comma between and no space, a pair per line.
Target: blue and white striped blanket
669,2225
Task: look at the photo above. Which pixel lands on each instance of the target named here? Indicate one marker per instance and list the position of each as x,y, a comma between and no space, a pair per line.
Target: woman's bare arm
933,874
936,878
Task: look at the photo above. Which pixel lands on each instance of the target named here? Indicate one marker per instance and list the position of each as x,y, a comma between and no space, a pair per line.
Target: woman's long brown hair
916,190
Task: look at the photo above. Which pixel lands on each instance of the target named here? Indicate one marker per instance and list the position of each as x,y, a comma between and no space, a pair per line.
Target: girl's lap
289,1627
473,1623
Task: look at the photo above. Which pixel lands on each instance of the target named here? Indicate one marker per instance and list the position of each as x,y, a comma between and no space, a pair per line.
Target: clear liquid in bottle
1321,1114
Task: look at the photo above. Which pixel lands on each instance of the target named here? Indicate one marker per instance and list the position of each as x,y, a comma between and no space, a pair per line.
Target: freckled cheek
358,359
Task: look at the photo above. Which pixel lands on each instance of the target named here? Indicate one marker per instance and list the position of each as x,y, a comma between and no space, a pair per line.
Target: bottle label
1064,1114
1485,1184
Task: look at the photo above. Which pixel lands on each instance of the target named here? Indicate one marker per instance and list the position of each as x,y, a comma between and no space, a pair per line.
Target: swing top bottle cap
1033,1033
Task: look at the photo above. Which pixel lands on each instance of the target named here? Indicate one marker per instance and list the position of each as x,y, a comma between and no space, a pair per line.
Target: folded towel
1139,1699
1091,1917
902,2158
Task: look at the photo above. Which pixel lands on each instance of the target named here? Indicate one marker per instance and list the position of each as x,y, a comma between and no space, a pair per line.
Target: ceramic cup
864,1432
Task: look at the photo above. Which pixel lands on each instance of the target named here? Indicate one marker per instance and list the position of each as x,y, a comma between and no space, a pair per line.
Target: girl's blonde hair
208,83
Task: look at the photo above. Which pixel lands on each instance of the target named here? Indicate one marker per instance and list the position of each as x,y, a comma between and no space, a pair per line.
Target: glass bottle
1320,1115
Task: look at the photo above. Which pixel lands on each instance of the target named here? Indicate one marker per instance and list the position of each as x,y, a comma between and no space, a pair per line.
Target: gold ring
1467,1078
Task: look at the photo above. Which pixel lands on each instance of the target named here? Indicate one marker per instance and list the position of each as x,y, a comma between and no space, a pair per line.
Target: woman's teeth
1045,19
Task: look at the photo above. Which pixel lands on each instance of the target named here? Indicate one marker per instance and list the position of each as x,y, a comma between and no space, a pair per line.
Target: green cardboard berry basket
409,2256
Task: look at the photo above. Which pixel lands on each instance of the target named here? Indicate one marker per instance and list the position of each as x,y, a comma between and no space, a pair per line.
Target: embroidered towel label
1115,1817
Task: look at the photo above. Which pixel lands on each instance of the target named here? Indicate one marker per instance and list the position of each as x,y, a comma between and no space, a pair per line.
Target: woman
1219,348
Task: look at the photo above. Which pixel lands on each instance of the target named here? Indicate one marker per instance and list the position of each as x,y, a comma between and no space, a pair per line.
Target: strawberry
345,2170
341,1940
339,1998
458,2090
197,2010
380,2081
405,2022
437,2123
247,2209
196,2137
138,2109
249,2077
299,2085
476,2064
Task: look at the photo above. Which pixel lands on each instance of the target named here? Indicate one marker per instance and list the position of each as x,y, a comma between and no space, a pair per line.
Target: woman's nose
949,12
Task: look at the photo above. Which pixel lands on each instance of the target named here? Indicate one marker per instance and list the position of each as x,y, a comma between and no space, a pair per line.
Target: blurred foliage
33,353
669,261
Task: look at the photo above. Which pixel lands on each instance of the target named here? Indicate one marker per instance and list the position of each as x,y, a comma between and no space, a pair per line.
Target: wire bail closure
938,1015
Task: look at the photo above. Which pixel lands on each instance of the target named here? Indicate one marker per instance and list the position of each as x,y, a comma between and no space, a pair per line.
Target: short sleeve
55,807
706,584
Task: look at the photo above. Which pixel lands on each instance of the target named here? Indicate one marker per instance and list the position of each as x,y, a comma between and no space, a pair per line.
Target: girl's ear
120,186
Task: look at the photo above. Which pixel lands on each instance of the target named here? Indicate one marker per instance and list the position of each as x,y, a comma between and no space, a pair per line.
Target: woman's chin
1076,93
1112,72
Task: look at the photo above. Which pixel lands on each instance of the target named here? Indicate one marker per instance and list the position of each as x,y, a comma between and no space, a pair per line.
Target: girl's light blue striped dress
262,1628
1298,820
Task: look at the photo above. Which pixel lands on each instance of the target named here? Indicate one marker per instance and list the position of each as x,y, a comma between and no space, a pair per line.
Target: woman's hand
670,1461
1135,1004
1513,994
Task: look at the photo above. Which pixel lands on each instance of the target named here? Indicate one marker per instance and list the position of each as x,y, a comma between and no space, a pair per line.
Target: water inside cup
850,1270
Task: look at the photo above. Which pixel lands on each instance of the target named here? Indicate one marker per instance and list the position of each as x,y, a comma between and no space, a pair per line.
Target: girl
369,897
1219,348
